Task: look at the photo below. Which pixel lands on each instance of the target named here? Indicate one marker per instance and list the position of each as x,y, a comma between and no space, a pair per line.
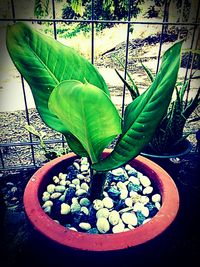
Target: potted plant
72,98
169,140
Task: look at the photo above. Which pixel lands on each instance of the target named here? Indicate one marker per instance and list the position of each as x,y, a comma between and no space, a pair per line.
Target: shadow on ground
178,245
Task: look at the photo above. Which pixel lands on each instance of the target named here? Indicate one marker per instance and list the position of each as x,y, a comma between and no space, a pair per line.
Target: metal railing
92,21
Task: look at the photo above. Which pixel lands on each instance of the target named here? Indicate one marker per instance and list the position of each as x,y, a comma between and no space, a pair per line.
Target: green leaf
88,113
143,115
44,63
148,72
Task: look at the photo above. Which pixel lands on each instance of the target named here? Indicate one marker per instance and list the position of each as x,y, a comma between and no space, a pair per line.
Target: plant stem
97,185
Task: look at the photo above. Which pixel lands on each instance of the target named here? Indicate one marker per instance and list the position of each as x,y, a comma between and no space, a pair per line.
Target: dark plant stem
97,185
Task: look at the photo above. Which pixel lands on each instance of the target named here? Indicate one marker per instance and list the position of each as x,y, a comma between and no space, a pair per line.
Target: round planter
169,161
100,242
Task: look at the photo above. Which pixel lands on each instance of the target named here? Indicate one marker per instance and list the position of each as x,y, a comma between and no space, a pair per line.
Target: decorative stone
103,225
118,172
76,181
113,193
72,185
73,229
147,220
77,187
56,179
126,209
114,217
129,202
84,168
108,202
144,200
75,207
85,202
80,176
145,211
156,198
147,190
74,200
129,218
135,196
118,228
140,217
134,180
84,161
62,197
98,204
51,188
130,227
104,212
85,226
70,193
64,183
85,210
138,206
55,195
157,205
47,210
80,192
124,194
145,181
93,231
62,176
45,196
85,186
65,209
121,186
134,187
60,188
47,203
105,194
128,167
76,165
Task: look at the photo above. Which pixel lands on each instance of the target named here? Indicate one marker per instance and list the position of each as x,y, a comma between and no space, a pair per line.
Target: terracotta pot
100,242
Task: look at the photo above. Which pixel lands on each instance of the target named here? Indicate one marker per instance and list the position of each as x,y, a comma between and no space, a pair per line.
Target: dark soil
22,246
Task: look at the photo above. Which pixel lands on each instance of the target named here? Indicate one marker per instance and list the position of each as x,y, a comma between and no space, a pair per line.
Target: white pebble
85,226
62,197
114,217
62,176
74,200
158,205
72,185
104,212
135,196
65,209
145,211
145,181
108,202
56,180
45,196
129,218
138,206
144,200
84,161
98,204
121,185
51,188
55,195
47,210
130,227
75,207
76,181
129,202
77,187
80,176
64,183
76,165
124,194
147,190
80,192
47,203
85,210
103,225
118,172
147,220
134,180
128,167
85,186
105,194
84,168
73,229
126,229
156,198
118,228
60,188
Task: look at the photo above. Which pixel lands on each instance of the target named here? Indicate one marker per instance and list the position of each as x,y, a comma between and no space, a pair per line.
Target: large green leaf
44,63
88,113
143,115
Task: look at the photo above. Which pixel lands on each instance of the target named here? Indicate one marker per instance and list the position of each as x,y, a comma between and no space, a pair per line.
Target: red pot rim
103,242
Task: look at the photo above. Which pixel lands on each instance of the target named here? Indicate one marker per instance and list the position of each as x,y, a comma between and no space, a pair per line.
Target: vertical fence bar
24,95
126,56
161,36
54,23
2,160
92,32
190,54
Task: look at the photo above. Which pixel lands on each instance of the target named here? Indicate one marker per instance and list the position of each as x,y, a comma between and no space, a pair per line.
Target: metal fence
92,21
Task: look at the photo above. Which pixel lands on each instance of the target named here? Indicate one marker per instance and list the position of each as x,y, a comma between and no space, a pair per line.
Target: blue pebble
55,211
152,209
120,178
113,193
72,172
70,194
120,204
134,187
92,216
140,217
93,231
79,217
